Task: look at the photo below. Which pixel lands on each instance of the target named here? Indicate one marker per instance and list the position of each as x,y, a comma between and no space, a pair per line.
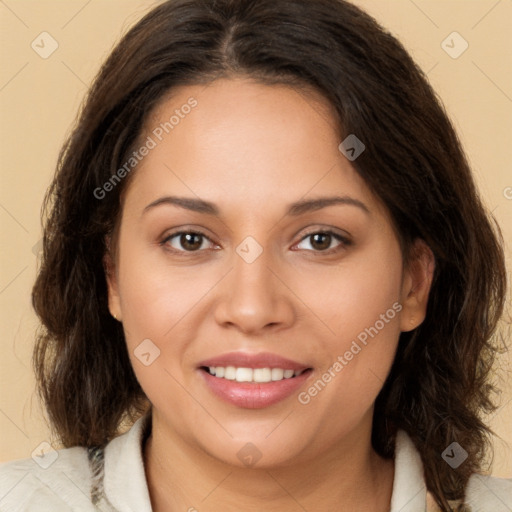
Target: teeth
252,375
277,374
229,373
262,375
244,375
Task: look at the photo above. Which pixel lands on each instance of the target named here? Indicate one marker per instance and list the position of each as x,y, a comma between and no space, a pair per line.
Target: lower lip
253,395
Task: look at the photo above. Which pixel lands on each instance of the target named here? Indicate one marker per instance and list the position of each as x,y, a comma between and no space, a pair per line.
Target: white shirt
65,484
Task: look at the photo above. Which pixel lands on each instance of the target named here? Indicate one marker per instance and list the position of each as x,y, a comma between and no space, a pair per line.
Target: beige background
40,97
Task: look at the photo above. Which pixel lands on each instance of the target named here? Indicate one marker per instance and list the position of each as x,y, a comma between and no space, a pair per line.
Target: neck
184,478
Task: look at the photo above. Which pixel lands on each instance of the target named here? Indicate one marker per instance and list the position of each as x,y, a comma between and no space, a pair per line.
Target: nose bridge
251,272
253,297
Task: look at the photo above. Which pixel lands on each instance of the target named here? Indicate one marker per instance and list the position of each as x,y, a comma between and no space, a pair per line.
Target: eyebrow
294,209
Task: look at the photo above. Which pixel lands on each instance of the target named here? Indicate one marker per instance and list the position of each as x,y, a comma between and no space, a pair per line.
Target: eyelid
326,230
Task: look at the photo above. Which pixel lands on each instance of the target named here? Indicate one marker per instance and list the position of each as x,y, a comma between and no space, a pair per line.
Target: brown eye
190,241
186,241
323,241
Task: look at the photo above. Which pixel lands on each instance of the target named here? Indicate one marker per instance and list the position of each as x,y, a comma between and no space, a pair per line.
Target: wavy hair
439,384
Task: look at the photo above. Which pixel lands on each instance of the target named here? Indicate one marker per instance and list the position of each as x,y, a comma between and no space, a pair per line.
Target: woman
265,247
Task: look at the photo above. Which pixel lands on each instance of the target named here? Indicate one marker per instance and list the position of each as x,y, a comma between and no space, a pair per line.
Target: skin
252,150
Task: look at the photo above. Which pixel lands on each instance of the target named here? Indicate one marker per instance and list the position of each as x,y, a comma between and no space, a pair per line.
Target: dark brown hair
439,383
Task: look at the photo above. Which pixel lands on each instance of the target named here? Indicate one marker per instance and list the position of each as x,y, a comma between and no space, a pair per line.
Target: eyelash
344,242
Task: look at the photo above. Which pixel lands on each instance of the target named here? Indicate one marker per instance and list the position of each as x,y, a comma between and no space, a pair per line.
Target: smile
253,380
257,375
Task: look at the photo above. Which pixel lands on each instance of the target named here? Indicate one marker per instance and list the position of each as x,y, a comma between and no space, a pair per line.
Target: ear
109,265
416,284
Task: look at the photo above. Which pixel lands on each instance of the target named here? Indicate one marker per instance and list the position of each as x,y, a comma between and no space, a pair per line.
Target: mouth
256,375
253,381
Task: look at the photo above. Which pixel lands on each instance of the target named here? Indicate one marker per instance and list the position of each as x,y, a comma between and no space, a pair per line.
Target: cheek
155,296
359,303
350,298
161,307
355,366
156,304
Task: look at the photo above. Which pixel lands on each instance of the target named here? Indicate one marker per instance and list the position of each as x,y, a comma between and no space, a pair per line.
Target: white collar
126,487
125,482
409,489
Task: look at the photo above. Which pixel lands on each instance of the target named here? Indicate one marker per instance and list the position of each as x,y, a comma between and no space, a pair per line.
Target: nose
254,299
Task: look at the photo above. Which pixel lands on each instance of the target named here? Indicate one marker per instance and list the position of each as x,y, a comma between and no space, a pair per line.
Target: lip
247,360
254,395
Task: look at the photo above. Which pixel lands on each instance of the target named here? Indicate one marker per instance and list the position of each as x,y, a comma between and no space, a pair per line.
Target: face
248,245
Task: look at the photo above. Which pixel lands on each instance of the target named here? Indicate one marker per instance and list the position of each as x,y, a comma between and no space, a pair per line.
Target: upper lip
247,360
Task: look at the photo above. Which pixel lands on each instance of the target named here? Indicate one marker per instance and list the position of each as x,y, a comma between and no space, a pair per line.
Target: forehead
251,143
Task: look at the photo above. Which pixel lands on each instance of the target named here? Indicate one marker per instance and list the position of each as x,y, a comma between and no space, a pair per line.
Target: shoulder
58,480
487,493
483,493
77,479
